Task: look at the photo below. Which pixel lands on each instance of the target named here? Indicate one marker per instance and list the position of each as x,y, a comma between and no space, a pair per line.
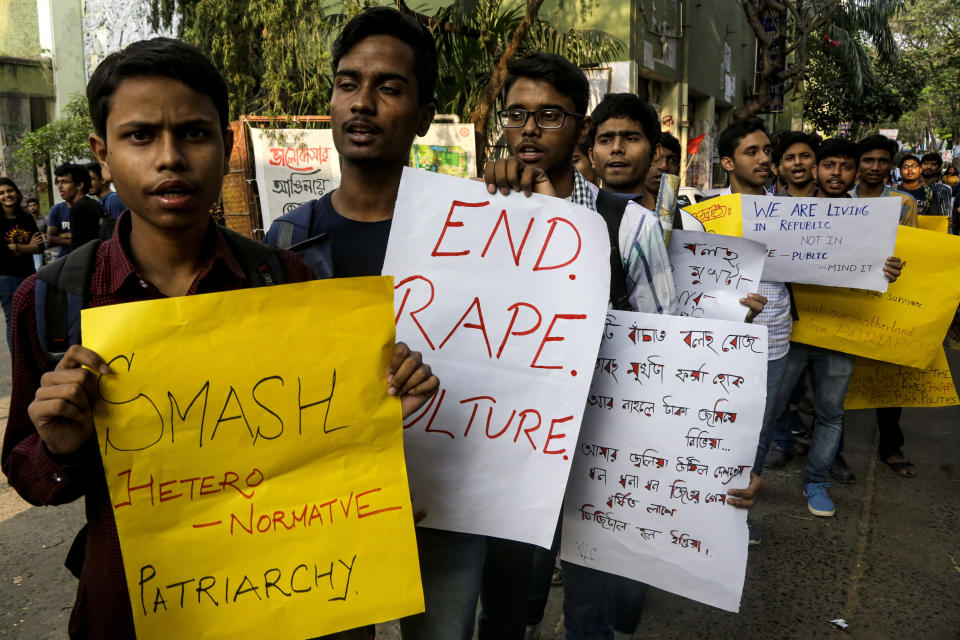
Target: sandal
903,468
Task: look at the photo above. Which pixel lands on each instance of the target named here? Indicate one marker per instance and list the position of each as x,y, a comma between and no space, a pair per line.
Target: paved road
888,563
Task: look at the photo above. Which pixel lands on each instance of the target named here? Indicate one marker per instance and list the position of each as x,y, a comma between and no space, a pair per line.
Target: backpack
61,293
295,232
611,208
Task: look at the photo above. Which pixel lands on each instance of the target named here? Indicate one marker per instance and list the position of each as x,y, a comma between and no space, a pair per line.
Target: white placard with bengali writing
838,242
506,297
712,272
293,166
672,423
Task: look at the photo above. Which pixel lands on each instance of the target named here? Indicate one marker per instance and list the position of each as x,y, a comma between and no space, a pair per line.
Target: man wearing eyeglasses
72,182
930,200
545,101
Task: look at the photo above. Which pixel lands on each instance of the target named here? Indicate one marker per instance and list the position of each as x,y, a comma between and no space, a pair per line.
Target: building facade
26,89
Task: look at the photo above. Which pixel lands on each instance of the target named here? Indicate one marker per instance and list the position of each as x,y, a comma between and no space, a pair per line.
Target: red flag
694,145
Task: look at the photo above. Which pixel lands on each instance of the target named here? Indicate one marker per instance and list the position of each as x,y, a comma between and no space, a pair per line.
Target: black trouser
891,437
507,574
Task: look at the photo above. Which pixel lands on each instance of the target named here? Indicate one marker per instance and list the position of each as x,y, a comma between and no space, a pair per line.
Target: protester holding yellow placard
876,156
161,118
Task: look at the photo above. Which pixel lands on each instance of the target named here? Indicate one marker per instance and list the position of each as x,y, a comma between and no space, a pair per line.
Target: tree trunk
480,116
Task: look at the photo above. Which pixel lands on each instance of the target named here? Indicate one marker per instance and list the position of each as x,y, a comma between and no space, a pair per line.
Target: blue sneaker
818,502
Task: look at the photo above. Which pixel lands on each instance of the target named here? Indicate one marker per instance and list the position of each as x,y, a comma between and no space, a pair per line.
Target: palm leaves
467,60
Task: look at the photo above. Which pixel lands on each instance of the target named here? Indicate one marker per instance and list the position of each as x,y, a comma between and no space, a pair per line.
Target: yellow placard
255,461
721,215
906,324
881,384
933,223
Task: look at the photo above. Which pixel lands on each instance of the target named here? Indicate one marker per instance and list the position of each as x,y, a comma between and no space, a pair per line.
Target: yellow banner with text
255,461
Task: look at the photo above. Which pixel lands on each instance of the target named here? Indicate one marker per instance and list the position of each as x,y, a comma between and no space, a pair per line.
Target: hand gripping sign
256,468
506,296
837,242
672,423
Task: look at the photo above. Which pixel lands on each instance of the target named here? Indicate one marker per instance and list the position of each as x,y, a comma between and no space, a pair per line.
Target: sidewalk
888,563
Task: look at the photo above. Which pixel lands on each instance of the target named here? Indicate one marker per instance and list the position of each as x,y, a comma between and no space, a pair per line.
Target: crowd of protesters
159,241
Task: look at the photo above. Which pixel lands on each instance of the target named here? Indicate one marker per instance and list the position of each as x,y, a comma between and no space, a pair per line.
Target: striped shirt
776,314
644,253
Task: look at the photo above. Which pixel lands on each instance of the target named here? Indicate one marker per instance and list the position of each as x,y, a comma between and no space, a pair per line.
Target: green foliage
930,31
466,61
830,97
59,141
859,28
274,54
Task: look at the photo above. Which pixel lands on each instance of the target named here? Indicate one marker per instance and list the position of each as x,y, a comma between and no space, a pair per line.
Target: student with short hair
933,198
941,194
837,162
581,160
795,157
100,188
159,110
876,155
666,160
72,182
543,118
624,133
385,75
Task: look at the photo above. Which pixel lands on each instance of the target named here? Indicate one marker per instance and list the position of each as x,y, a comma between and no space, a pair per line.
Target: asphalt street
888,564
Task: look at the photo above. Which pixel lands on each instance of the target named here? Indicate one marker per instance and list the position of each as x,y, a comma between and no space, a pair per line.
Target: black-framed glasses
545,118
61,183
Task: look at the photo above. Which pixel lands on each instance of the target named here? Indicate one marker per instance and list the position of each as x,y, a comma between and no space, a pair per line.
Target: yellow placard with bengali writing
881,384
722,214
255,461
933,223
906,324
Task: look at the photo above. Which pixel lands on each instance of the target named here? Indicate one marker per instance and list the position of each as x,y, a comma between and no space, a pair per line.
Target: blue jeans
451,569
8,286
775,370
595,603
830,373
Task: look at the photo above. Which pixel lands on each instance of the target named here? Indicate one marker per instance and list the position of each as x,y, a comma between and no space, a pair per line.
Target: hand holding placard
507,295
252,490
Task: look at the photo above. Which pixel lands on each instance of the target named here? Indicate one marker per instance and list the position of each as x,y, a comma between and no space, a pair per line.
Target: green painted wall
26,77
19,29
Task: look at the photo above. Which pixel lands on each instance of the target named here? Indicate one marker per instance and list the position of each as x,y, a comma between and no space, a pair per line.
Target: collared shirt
642,249
775,315
102,609
908,206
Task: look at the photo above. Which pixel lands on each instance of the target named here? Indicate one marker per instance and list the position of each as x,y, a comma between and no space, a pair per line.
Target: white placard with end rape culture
505,297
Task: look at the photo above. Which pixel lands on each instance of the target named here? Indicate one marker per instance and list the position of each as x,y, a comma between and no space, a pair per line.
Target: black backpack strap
611,208
60,295
260,262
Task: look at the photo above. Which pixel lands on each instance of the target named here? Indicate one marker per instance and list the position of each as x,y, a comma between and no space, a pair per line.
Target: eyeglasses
545,118
60,183
909,166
